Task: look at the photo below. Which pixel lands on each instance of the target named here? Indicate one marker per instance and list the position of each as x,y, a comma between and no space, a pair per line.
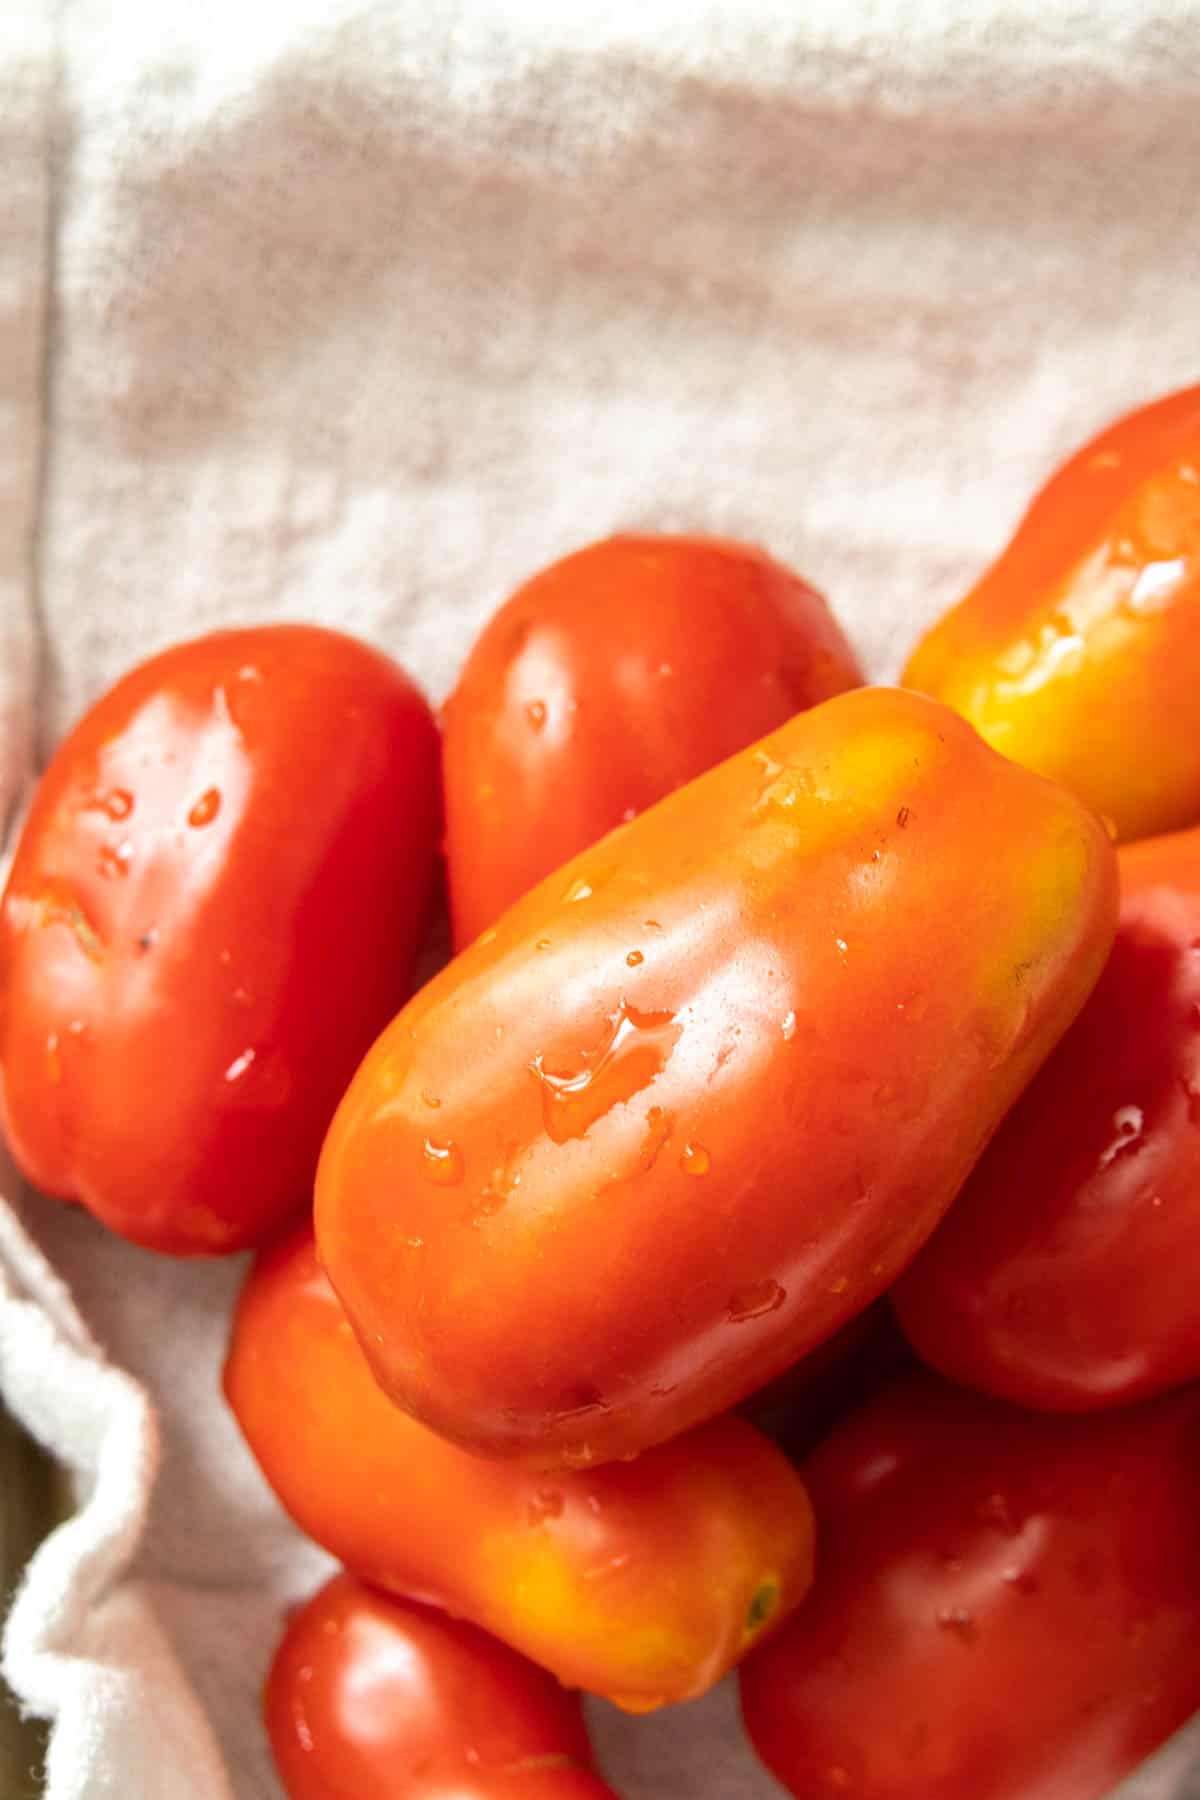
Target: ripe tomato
608,680
643,1581
368,1699
802,1406
1064,1275
1007,1607
700,1096
215,905
1078,653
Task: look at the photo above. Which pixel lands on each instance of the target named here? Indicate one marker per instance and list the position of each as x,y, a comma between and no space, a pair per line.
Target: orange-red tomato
644,1581
215,905
1064,1275
1078,653
605,682
1007,1606
700,1096
368,1699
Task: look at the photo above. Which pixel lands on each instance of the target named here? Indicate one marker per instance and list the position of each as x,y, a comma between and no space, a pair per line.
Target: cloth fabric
354,312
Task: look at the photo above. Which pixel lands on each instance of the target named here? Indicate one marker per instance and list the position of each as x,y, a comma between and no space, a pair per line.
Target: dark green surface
32,1500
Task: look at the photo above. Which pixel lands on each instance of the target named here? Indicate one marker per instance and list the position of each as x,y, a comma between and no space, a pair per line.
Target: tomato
214,907
1065,1274
605,682
802,1406
368,1699
644,1581
1007,1607
698,1097
1078,652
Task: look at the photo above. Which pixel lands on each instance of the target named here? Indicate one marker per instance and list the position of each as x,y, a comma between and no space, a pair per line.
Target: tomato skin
1078,652
1064,1275
1007,1606
605,682
551,1200
371,1699
215,904
638,1581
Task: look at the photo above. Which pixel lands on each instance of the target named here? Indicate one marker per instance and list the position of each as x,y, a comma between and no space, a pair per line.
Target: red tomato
371,1699
698,1098
802,1406
1064,1275
1078,652
608,680
215,905
643,1581
1007,1607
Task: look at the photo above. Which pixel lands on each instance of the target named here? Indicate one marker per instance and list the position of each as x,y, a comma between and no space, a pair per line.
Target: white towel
360,312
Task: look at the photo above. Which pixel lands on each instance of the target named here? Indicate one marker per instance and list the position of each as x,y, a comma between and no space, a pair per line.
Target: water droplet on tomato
443,1162
113,863
542,944
431,1100
960,1621
53,1064
206,808
842,945
1128,1122
788,1027
547,1503
634,958
117,803
633,1054
1155,587
695,1160
755,1300
240,1065
578,890
535,712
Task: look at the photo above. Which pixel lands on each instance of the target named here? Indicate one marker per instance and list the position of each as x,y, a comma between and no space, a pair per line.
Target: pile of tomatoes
773,1237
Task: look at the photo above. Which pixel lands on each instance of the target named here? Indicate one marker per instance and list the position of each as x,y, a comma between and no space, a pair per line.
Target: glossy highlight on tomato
699,1097
371,1699
605,682
1064,1276
643,1581
215,905
1078,652
1007,1606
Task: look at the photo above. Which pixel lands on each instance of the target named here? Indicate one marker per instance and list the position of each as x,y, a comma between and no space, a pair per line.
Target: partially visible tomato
372,1699
643,1581
802,1406
697,1099
1078,652
606,681
215,905
1007,1606
1065,1274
